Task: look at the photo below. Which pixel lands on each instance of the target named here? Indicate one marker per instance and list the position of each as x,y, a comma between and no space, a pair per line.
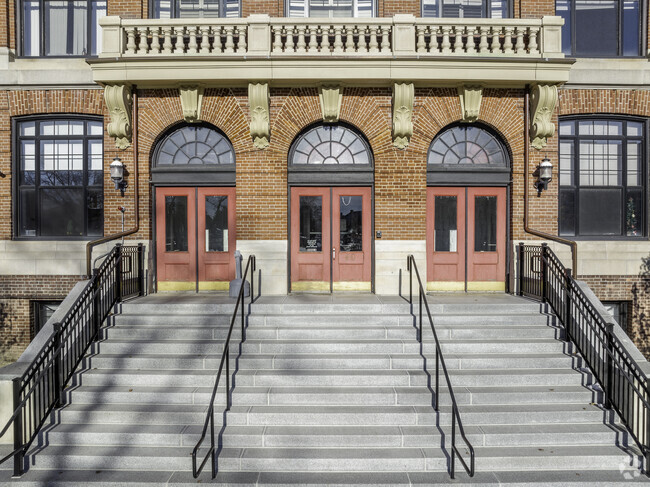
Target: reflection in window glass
176,224
485,224
351,238
331,8
496,9
216,223
445,236
330,144
60,178
311,223
600,28
194,145
466,145
167,9
607,196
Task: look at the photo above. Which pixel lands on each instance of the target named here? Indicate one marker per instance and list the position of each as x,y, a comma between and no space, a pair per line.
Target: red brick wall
15,310
533,9
128,9
273,8
388,8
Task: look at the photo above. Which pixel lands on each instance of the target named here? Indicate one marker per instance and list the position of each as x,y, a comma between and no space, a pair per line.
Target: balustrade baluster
277,38
156,40
421,45
192,46
205,39
385,39
143,46
373,46
507,41
338,39
290,45
242,45
520,47
458,40
446,45
483,46
300,47
312,32
471,40
130,43
532,40
167,43
230,44
349,39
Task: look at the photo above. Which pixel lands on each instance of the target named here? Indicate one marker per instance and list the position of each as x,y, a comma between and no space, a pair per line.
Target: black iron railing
41,387
440,363
624,384
225,361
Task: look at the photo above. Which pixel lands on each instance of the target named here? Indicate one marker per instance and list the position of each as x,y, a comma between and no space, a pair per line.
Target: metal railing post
520,266
567,305
141,269
18,430
118,274
420,332
543,272
58,366
228,378
410,269
96,297
609,364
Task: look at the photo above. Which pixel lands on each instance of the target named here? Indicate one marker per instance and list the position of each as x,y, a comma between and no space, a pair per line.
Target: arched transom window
330,144
194,145
466,146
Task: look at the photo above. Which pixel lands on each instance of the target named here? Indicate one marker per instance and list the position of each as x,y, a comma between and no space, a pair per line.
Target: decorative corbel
330,103
543,101
470,102
118,100
191,101
403,99
258,100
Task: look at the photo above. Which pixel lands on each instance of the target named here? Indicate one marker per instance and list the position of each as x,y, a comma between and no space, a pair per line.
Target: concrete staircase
332,391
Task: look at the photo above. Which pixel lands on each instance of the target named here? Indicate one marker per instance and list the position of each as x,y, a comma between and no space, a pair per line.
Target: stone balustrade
401,36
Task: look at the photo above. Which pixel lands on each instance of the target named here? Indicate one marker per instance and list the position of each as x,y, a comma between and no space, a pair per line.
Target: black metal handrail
625,386
41,387
225,359
440,363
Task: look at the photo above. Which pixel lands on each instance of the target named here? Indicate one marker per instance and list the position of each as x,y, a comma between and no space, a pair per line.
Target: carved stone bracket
543,99
258,100
331,98
470,102
118,100
403,99
191,101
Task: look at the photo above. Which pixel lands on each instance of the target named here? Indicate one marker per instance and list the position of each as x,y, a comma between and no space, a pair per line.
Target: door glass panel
351,223
176,224
485,224
445,229
216,223
311,223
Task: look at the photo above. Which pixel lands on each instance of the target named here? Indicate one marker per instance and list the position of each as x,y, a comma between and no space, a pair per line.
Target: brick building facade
217,68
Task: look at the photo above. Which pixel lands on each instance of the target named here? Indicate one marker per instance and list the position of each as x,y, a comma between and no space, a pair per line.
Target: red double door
466,239
331,239
195,238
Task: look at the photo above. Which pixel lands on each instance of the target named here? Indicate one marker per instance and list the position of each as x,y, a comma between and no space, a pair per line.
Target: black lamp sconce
117,174
544,175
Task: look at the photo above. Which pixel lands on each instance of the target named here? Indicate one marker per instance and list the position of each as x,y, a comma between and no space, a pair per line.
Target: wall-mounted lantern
117,174
544,175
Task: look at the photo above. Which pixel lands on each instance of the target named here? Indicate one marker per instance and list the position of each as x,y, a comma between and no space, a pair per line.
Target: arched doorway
193,171
331,223
468,170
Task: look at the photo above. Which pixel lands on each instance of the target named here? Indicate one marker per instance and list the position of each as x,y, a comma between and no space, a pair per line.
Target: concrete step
331,395
324,332
333,361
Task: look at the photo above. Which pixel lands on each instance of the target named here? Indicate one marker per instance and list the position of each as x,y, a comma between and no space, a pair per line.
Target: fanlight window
194,146
330,144
467,146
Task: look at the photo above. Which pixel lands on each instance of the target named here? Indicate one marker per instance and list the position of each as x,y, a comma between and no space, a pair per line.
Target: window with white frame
331,8
470,9
61,27
59,177
602,178
600,28
181,9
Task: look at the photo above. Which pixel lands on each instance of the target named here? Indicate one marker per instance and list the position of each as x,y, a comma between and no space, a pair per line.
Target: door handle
333,253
